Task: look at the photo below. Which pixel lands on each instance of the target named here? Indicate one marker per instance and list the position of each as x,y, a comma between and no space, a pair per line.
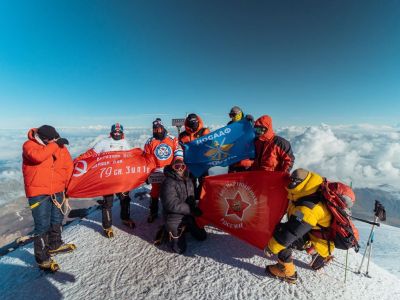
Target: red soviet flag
109,172
247,205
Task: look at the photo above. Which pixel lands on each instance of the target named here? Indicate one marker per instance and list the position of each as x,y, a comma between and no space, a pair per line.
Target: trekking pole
365,221
380,214
369,255
345,269
368,245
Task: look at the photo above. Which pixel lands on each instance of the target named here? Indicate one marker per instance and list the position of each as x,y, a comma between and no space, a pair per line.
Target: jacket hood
265,121
31,134
307,187
189,130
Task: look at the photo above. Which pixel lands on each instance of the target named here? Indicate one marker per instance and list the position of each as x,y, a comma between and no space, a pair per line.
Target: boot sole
291,280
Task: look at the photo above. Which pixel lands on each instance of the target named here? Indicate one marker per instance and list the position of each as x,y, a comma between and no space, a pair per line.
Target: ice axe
379,214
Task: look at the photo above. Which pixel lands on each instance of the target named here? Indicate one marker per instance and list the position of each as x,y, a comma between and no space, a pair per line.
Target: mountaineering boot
153,210
283,270
49,265
161,236
318,262
65,248
108,232
129,223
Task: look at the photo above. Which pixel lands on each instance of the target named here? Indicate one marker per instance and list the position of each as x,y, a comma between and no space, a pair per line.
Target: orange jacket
273,153
189,135
164,151
46,168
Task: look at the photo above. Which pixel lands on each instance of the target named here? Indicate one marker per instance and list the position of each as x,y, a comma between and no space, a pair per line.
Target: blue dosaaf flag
221,147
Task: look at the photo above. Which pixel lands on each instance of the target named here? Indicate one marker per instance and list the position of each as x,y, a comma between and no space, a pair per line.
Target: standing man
115,142
164,148
236,114
273,153
47,167
194,128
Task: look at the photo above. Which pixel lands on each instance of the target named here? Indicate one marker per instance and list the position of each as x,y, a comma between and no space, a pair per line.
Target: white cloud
366,155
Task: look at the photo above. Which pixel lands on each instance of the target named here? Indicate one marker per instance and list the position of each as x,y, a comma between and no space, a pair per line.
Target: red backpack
338,199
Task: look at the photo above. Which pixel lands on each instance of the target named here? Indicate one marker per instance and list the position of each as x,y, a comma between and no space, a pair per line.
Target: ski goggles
294,181
193,123
179,166
260,130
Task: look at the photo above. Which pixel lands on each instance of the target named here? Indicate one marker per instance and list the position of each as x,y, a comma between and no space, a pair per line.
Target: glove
267,252
62,141
191,202
197,212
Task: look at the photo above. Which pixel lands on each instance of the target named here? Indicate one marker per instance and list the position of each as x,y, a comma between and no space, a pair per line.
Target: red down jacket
46,168
273,153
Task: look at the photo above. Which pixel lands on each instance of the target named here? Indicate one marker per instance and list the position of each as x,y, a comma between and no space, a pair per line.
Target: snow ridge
222,267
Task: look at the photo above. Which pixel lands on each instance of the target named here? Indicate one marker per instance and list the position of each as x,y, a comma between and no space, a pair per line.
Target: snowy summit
222,267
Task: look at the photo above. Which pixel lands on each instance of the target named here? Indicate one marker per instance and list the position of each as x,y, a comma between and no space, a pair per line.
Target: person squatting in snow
309,219
114,142
47,167
179,208
164,148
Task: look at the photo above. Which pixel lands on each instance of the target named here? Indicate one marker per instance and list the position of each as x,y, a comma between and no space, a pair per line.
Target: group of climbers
47,167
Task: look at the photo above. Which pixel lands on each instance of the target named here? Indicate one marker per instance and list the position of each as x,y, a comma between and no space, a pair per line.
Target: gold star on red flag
236,206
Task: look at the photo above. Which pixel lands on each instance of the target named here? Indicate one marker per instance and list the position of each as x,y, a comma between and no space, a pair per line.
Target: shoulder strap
200,133
309,201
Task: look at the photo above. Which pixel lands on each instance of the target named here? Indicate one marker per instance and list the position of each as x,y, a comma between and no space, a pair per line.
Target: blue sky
79,63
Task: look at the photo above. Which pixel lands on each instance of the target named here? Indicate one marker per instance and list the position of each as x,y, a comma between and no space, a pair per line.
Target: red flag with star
247,205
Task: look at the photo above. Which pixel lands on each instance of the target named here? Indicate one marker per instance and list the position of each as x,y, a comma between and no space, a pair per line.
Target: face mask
260,130
193,124
158,133
236,116
116,135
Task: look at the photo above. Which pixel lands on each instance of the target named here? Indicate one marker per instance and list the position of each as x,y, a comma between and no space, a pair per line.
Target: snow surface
129,266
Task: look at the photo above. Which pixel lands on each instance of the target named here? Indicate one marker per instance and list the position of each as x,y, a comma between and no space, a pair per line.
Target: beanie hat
158,123
235,110
47,132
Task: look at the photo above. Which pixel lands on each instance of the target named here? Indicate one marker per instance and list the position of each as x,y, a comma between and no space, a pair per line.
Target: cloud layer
364,155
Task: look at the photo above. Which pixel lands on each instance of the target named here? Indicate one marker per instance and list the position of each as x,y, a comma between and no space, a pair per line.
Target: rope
64,203
179,235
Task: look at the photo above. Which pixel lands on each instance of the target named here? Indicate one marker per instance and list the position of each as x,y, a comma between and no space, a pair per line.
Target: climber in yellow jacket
306,214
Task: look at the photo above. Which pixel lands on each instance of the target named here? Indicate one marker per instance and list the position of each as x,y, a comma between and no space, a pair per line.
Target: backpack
339,198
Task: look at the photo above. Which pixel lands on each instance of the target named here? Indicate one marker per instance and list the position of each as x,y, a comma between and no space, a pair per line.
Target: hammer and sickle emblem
237,206
80,168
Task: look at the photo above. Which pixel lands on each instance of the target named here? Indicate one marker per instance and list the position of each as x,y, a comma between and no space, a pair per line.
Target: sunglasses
179,166
295,180
233,114
260,130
